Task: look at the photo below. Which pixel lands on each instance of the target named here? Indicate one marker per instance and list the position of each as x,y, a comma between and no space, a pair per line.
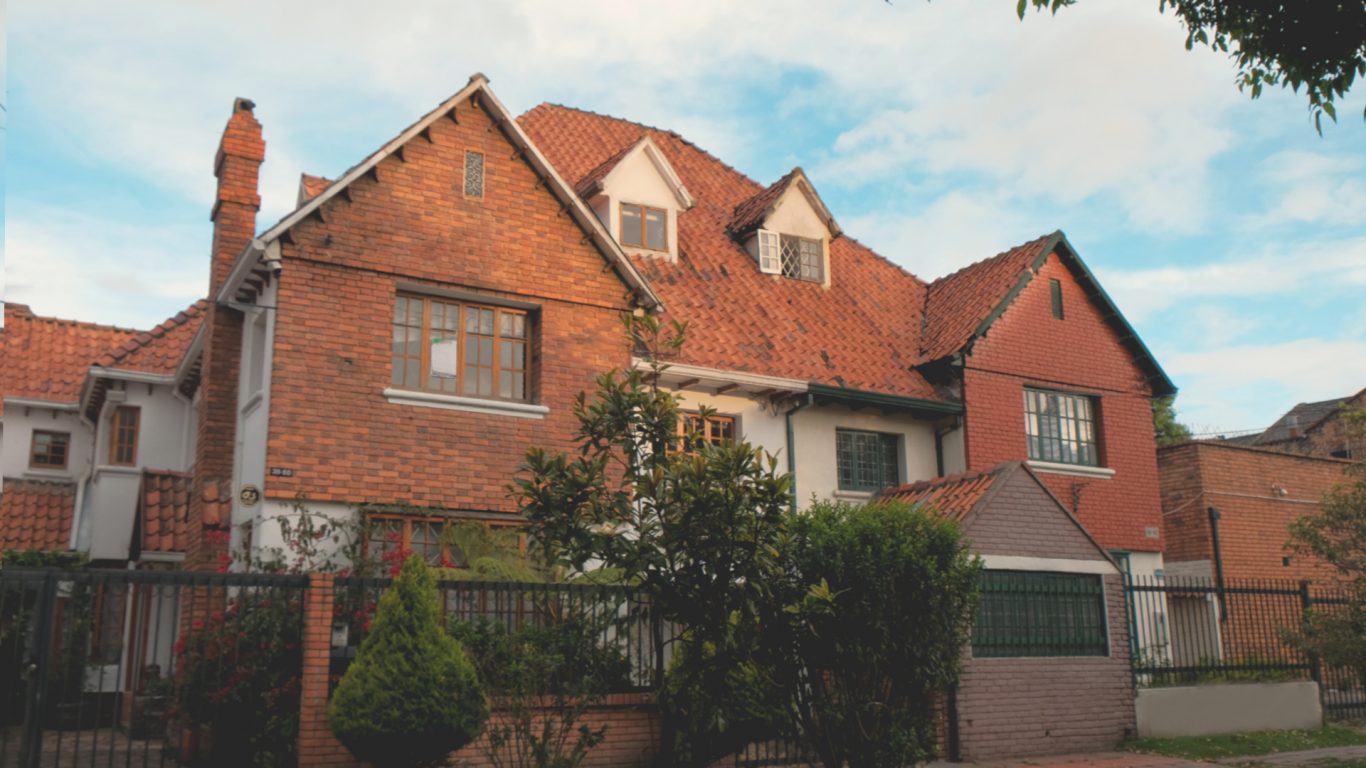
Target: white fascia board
661,165
136,376
729,377
191,352
56,405
245,263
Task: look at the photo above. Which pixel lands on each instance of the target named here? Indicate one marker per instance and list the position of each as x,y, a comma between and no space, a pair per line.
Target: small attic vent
474,174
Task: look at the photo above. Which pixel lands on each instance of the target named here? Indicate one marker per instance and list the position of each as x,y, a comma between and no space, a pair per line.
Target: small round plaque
249,495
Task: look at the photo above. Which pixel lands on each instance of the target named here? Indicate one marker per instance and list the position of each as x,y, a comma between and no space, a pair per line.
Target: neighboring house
1052,620
1315,429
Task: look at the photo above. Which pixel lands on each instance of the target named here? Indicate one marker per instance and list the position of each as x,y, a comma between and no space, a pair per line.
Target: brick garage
1032,700
1258,493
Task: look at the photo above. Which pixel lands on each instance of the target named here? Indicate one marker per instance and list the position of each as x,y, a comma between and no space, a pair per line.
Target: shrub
410,697
878,632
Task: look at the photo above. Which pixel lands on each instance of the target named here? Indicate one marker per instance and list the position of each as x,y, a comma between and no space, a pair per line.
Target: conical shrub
410,697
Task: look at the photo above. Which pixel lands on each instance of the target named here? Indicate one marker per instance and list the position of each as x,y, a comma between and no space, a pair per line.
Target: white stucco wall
793,215
253,403
21,421
266,532
955,452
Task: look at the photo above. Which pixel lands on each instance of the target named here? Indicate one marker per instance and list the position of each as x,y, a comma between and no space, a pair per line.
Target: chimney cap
241,104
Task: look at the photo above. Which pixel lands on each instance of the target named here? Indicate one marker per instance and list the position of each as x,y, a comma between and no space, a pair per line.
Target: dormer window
800,258
644,227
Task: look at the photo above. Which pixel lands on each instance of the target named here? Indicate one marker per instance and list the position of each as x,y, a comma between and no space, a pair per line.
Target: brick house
413,326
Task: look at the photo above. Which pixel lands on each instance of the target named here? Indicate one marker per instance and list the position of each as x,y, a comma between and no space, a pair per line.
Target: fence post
317,745
1306,606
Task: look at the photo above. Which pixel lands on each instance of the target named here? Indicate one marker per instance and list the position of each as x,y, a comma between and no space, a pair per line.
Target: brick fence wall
632,720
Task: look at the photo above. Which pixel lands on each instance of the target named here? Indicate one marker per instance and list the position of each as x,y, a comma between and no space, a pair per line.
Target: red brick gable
957,305
860,333
36,514
409,227
44,358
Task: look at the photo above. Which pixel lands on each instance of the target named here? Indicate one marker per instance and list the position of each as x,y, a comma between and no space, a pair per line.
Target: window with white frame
1061,427
799,258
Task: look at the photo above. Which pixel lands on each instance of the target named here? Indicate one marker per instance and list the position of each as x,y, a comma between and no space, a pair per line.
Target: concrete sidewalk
1297,759
1305,759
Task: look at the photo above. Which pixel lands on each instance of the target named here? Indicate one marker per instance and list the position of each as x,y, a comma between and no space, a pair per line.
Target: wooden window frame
714,423
1051,431
883,438
644,243
33,449
444,522
424,357
116,429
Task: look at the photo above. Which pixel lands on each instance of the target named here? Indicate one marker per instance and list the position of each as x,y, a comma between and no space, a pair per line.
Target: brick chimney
237,166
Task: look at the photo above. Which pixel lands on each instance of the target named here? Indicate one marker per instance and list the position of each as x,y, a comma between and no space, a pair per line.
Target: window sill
853,495
41,473
1077,470
117,469
472,404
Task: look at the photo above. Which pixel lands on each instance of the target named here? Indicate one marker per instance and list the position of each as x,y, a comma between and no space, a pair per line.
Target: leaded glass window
867,461
802,258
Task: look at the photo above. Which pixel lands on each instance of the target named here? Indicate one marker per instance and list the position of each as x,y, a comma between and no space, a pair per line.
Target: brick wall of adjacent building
1244,484
412,229
1037,706
1082,354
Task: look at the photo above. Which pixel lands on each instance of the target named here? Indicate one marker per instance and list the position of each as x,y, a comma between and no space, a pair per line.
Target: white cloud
1247,386
1285,268
1312,187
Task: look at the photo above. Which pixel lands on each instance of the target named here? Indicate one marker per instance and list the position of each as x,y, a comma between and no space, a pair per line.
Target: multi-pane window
474,174
123,436
1060,427
867,461
412,534
714,429
644,227
49,449
802,258
460,348
1024,613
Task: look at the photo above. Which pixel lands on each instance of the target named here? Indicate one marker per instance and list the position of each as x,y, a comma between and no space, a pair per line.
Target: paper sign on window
443,357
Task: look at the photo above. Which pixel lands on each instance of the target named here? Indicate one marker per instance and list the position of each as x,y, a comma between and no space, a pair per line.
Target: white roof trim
753,380
662,166
808,191
477,84
138,376
29,402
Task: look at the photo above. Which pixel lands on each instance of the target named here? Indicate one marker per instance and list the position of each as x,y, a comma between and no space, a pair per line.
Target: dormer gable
637,195
787,228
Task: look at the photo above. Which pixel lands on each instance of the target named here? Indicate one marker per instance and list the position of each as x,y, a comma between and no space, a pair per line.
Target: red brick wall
1082,354
1040,706
1241,483
414,229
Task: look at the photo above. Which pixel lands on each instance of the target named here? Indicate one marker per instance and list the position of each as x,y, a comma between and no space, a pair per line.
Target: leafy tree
1166,428
1336,535
410,697
1317,44
884,600
695,526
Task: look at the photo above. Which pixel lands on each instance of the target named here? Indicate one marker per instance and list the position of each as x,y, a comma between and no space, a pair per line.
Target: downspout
792,445
1218,562
939,443
78,514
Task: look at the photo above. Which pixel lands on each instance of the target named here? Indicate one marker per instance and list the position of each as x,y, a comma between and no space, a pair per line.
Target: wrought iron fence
97,667
618,617
1189,631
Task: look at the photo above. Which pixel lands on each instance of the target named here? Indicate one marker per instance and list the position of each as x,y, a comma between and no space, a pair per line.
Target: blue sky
1229,232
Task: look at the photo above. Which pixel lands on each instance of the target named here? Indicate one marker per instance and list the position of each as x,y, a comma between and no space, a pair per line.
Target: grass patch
1253,743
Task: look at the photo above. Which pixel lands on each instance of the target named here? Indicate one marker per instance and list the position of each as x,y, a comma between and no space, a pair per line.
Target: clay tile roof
751,213
36,514
586,186
954,496
311,186
161,349
861,333
164,510
217,505
45,358
957,304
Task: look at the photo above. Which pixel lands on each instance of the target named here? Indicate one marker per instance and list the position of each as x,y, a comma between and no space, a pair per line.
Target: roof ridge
980,262
77,323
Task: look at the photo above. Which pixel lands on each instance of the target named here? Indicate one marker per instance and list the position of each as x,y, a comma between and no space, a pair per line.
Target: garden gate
87,660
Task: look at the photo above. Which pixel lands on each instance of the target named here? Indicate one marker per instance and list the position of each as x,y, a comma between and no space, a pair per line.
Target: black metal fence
136,668
1189,631
616,616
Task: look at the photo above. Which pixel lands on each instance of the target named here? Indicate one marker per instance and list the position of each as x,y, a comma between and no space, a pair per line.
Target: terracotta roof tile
161,349
36,514
45,358
310,187
957,304
862,333
954,496
164,510
586,186
751,213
